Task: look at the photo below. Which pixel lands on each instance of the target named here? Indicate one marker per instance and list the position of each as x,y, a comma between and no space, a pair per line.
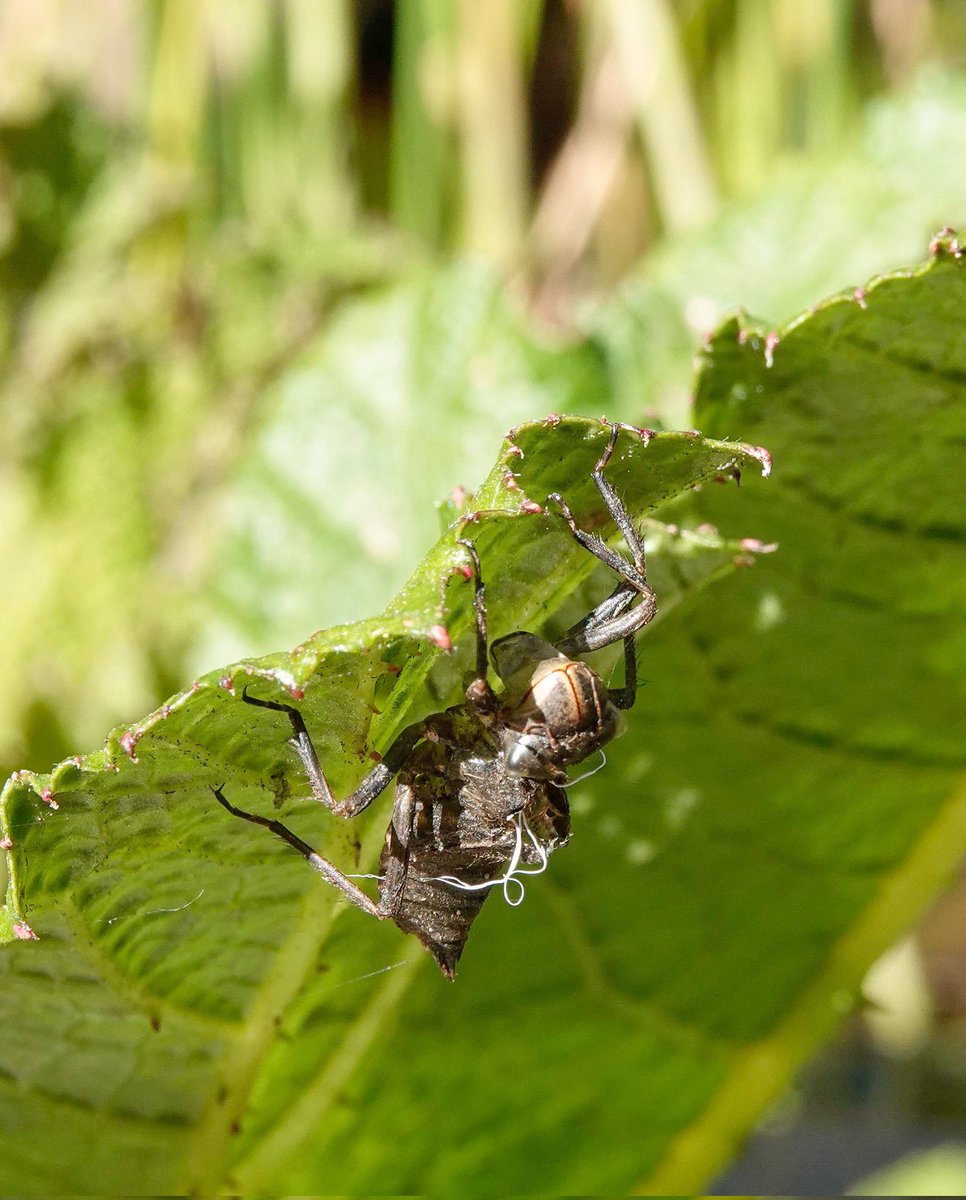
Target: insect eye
523,763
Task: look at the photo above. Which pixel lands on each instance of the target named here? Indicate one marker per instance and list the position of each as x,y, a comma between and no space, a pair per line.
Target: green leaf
788,798
832,798
191,981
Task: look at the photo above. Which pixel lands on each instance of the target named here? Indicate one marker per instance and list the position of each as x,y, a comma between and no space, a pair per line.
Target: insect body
459,819
479,798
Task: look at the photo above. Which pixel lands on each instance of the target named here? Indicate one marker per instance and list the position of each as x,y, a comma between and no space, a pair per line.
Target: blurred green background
276,276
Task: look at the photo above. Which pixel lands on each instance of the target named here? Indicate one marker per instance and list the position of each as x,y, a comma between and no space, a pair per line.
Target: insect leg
479,694
616,617
329,873
374,783
479,606
624,697
397,860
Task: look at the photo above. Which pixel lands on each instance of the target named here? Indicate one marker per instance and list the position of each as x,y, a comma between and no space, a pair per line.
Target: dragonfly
480,796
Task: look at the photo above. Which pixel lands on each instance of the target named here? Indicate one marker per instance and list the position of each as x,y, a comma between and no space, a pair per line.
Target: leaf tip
946,241
771,343
439,636
512,449
757,546
128,743
762,456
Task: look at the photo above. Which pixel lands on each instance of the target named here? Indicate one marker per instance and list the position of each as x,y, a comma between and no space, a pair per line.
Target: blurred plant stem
814,44
422,148
782,87
320,69
904,29
749,100
582,174
178,84
492,126
830,98
646,39
174,116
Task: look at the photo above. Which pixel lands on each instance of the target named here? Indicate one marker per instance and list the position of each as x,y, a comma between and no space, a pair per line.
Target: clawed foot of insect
618,617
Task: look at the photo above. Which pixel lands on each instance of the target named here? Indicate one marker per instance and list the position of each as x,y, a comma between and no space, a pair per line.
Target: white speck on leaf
640,852
770,613
679,805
